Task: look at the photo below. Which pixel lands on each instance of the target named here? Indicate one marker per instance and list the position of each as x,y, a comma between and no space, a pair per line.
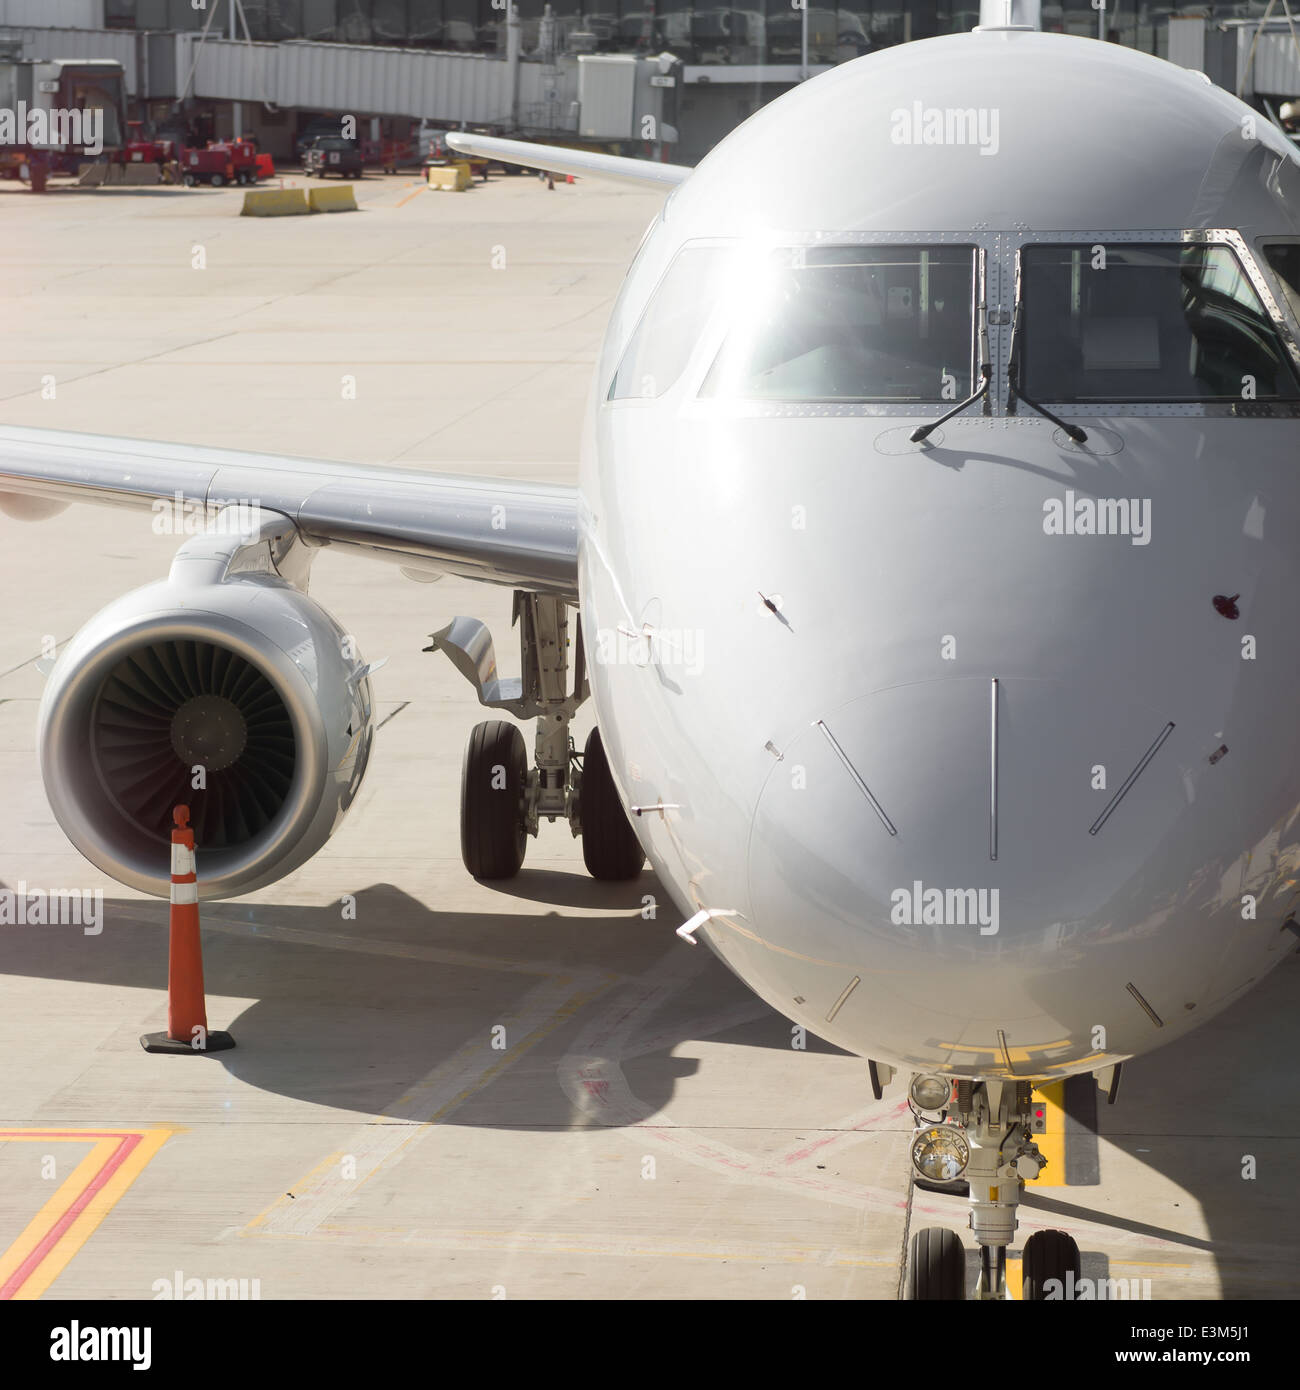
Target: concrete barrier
274,202
141,175
336,198
455,178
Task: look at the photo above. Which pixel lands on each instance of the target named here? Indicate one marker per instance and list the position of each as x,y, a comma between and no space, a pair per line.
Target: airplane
934,573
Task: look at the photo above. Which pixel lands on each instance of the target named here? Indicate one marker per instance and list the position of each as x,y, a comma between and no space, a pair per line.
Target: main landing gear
980,1130
502,798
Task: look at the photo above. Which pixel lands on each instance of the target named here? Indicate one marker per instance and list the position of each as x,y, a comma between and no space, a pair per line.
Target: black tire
218,180
189,180
1049,1255
958,1187
610,848
936,1266
493,834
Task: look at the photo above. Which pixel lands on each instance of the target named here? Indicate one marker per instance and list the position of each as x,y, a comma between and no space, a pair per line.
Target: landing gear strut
981,1132
503,799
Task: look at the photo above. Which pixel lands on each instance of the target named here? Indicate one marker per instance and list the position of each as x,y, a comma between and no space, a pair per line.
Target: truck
57,114
329,155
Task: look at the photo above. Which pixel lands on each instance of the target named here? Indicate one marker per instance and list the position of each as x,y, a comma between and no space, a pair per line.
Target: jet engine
234,693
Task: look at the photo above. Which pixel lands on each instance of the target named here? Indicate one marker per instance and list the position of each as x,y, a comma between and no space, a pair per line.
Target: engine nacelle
247,679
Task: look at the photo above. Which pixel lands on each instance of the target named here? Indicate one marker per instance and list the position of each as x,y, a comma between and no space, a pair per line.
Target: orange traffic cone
187,1017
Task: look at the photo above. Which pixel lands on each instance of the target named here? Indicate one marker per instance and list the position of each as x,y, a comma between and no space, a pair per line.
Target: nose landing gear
982,1132
503,799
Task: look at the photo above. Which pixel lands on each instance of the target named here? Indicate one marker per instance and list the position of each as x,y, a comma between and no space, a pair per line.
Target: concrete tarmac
445,1089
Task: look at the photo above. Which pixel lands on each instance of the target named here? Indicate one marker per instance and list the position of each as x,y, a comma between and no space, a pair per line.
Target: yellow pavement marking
67,1221
423,188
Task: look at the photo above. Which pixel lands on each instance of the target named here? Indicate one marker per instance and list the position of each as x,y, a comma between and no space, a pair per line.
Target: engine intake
171,706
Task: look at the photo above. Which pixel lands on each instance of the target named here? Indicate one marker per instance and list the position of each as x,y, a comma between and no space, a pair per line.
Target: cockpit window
1284,259
670,326
1163,322
852,324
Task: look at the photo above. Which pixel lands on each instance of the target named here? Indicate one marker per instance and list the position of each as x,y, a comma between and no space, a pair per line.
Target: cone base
160,1042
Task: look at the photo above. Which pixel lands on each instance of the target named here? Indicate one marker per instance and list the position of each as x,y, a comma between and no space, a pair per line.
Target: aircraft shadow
1196,1112
351,1013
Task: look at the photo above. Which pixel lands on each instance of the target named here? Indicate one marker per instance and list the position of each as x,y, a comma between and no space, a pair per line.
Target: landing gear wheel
494,777
1049,1255
936,1266
610,849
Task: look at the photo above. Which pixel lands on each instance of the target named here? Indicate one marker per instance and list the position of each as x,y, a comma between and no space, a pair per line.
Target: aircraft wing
522,535
640,173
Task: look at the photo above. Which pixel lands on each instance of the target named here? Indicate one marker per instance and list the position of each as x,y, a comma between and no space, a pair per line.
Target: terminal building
662,78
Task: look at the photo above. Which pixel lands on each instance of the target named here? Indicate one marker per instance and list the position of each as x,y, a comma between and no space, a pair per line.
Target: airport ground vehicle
212,166
330,155
319,128
143,149
243,158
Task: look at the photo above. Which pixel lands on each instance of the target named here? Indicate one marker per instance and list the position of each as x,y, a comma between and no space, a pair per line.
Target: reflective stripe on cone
186,1009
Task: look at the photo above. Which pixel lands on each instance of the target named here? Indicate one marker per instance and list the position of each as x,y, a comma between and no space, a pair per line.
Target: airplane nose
989,823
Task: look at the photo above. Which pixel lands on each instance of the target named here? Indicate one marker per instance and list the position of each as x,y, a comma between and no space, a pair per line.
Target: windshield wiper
1014,393
986,377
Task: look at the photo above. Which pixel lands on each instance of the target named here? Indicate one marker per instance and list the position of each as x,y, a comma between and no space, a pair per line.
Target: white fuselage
890,789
